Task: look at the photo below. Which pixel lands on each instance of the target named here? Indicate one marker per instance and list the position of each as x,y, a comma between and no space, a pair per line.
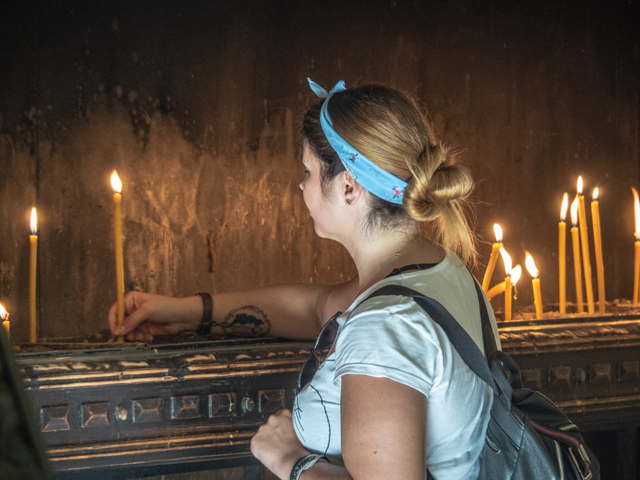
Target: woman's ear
352,191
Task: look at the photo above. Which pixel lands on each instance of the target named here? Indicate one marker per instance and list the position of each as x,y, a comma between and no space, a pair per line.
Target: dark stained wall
197,104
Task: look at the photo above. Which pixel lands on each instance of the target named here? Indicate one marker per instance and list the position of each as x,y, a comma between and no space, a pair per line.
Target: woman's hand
277,446
147,315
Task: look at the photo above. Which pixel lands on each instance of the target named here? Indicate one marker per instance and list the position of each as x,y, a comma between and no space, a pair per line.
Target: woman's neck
377,256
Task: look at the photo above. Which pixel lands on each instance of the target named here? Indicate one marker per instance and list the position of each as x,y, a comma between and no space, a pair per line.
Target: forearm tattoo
245,321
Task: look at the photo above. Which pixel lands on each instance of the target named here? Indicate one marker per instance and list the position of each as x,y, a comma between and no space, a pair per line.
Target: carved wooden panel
54,418
95,414
270,401
185,406
222,404
146,410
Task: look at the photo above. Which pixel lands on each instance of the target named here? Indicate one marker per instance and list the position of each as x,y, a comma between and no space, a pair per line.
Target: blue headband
375,179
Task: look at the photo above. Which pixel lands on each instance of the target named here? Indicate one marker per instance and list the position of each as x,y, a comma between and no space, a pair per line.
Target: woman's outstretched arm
290,311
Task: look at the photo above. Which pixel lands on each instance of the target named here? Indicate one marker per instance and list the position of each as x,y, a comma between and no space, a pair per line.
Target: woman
392,399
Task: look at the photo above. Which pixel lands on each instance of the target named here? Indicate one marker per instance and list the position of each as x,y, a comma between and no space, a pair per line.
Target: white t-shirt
392,337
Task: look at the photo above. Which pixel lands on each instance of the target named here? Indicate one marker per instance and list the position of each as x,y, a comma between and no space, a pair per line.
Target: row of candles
579,237
116,185
580,242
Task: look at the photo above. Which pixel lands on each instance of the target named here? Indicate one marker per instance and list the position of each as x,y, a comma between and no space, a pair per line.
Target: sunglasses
320,351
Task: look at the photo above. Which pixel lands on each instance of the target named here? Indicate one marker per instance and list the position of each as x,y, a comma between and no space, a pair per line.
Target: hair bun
436,181
449,182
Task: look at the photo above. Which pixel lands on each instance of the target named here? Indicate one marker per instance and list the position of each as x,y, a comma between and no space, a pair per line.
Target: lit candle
33,267
507,284
597,240
636,263
576,254
584,241
537,297
562,249
4,316
495,249
116,184
516,272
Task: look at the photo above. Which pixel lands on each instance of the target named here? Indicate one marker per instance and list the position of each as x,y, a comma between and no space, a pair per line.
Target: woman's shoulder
338,298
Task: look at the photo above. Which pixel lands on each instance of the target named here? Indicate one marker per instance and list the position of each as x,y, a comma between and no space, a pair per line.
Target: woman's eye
306,173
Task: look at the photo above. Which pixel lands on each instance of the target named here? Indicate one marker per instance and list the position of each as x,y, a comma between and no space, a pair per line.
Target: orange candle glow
495,249
33,270
576,254
636,263
584,241
597,241
562,253
507,284
516,272
116,185
4,316
537,297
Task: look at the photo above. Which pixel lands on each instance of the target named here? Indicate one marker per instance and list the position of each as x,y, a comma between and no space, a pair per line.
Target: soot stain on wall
198,105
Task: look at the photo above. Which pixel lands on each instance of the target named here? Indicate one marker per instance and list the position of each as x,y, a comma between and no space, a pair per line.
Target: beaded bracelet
207,314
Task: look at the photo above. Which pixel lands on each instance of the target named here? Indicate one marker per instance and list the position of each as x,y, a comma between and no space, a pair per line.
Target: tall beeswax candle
636,263
4,316
33,270
507,284
584,241
535,282
516,272
562,254
576,254
116,185
597,242
495,250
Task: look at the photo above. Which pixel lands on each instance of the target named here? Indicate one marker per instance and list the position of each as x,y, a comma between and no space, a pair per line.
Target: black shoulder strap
459,338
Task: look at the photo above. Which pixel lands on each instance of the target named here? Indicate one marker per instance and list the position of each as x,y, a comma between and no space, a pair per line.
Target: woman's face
321,207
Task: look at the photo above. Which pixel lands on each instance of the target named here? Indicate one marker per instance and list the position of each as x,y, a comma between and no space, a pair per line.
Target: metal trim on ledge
157,409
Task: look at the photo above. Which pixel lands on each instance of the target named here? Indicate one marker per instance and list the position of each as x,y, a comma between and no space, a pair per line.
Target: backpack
528,436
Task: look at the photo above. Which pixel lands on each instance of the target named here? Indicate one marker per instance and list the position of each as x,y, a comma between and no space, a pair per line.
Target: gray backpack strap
459,338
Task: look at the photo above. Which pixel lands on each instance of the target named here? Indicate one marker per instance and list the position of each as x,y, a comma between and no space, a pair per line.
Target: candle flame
531,265
636,208
507,261
34,221
574,212
580,185
516,273
497,229
116,184
3,313
594,197
565,205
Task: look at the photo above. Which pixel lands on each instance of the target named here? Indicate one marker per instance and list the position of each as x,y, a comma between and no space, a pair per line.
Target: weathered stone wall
198,105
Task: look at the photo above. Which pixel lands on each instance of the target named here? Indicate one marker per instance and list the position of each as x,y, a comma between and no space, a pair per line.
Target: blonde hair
388,128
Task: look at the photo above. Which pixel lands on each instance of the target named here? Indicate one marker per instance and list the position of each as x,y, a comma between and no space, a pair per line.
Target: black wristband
207,314
306,463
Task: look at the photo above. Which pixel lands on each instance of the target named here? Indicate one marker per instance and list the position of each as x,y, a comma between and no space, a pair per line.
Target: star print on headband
375,179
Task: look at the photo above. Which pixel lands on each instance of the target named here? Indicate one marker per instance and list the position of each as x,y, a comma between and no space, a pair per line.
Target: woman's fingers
147,315
131,322
112,317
